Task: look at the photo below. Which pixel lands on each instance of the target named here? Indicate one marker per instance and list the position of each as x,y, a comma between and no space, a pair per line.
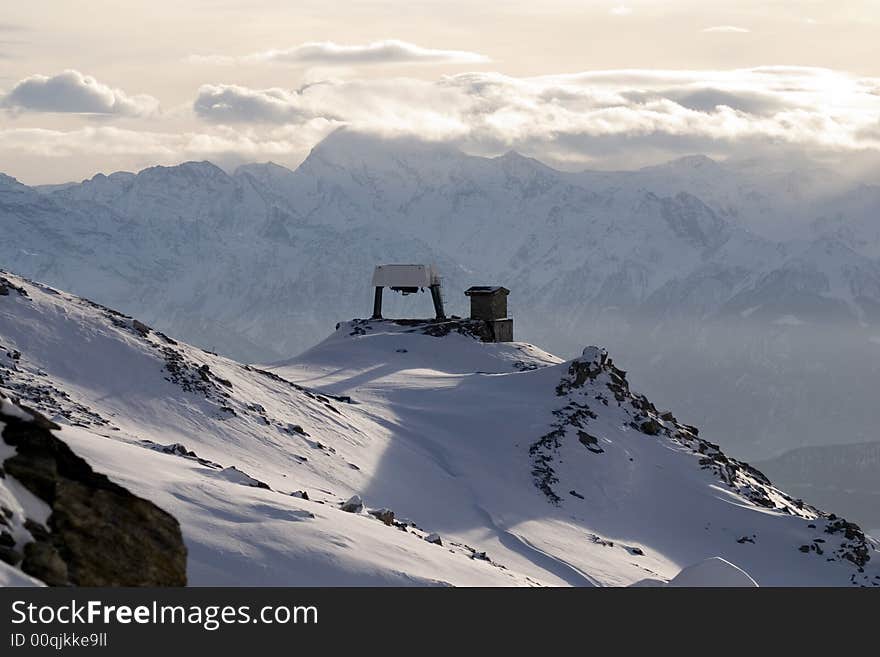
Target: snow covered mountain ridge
407,453
741,268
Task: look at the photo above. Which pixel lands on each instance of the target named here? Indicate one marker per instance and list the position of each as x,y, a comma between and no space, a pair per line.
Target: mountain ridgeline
747,295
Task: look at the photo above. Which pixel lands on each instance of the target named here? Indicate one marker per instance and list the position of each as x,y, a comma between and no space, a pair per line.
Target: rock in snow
96,533
353,504
478,441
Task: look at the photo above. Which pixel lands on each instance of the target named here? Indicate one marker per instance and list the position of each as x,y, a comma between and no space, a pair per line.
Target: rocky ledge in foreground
97,533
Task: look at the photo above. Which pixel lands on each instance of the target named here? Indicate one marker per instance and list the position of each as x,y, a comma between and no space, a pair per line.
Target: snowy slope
531,470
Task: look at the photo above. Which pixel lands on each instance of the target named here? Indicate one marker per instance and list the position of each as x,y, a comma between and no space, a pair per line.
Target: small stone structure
489,304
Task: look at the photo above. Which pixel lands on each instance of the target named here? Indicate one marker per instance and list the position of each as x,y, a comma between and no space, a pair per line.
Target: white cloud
233,103
727,29
73,92
617,118
620,10
582,115
328,53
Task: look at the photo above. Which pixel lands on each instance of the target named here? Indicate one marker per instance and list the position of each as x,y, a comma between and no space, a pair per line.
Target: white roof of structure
405,276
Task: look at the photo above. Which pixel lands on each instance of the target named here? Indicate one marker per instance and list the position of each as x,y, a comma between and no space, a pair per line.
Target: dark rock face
6,285
99,533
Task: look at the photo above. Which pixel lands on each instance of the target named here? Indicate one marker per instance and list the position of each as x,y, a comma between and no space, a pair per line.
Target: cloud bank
328,53
599,119
231,103
73,92
581,117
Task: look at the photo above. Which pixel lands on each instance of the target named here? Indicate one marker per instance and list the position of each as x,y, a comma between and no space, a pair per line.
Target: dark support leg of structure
438,302
377,304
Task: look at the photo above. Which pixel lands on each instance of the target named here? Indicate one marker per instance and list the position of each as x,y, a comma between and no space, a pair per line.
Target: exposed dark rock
573,415
385,515
38,531
140,327
177,449
42,560
650,427
434,538
10,555
99,534
354,504
6,286
590,442
598,540
855,547
240,477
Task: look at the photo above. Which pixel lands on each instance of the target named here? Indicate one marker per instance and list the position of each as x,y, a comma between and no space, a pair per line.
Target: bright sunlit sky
107,85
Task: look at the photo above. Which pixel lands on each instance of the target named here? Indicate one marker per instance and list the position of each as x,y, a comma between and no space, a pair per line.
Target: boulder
354,504
385,515
98,533
650,427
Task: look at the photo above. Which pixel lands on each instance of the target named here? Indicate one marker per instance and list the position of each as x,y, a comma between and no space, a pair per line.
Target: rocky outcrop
436,328
593,379
354,504
98,533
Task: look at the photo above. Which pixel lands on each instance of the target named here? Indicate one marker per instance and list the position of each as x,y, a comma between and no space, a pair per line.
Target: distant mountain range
745,294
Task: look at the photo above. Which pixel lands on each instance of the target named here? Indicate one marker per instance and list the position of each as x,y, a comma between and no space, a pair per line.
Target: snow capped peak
345,147
116,176
515,158
595,355
193,171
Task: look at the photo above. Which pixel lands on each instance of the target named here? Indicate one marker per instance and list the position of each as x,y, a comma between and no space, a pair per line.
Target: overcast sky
106,85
